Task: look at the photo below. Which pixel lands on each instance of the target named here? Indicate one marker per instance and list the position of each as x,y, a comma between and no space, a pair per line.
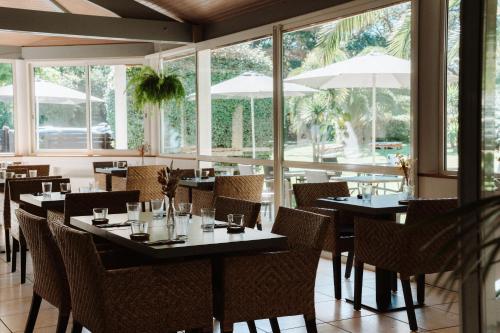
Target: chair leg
15,248
337,272
35,307
7,245
23,262
77,327
274,325
358,285
62,322
421,289
410,309
251,326
311,325
394,281
348,265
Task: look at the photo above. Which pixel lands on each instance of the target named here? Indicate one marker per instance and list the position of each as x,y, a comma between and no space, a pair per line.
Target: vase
408,191
170,212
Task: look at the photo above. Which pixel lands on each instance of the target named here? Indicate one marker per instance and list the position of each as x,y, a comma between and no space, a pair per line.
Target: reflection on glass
179,118
361,69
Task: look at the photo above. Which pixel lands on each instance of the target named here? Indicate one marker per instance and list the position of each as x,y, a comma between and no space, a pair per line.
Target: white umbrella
373,71
51,93
253,85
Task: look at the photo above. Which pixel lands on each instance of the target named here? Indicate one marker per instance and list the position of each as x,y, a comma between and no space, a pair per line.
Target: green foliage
149,87
397,130
6,117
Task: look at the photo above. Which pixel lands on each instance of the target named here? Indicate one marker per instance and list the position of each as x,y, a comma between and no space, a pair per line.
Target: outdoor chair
225,206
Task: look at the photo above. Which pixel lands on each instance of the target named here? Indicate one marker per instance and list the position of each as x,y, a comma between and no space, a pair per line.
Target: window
357,70
241,100
451,127
7,144
179,118
70,118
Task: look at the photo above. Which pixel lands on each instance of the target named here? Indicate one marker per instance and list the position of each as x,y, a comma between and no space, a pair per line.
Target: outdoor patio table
381,207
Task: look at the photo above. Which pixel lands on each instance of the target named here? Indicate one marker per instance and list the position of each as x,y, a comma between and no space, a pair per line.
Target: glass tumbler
46,189
181,224
157,208
197,173
32,173
139,227
133,211
235,221
65,188
366,192
100,214
207,219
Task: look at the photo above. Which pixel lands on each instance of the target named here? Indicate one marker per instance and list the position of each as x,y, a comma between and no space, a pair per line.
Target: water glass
366,192
91,186
100,214
46,188
205,173
185,207
32,173
139,227
197,173
157,208
115,164
3,174
207,219
235,220
181,223
65,188
133,211
122,164
10,174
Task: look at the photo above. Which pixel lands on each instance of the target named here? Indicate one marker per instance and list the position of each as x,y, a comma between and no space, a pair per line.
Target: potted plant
148,87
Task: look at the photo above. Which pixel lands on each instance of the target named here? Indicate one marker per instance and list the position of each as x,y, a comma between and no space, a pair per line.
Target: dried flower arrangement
406,165
169,179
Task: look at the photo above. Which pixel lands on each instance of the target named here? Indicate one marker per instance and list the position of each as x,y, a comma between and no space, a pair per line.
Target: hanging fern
151,88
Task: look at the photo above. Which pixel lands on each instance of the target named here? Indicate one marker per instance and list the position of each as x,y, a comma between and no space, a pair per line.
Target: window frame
87,63
12,62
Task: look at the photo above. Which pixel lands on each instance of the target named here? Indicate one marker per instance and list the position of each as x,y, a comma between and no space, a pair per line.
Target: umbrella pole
252,115
374,118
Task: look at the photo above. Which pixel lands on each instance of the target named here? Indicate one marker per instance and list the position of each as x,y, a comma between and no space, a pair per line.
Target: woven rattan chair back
79,204
304,230
102,181
239,187
85,271
145,179
225,206
50,280
306,194
43,170
425,209
6,203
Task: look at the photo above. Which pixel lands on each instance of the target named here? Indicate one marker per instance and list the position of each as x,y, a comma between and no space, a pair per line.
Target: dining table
53,200
198,243
200,183
385,207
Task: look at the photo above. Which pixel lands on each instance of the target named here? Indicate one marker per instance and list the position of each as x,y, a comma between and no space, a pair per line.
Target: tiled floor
440,314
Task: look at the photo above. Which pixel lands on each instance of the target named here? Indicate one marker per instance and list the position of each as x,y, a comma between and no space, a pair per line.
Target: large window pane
241,100
60,103
360,67
179,118
116,124
6,109
453,44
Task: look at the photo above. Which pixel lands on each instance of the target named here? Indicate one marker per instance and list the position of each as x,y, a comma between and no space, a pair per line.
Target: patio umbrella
51,93
254,85
373,71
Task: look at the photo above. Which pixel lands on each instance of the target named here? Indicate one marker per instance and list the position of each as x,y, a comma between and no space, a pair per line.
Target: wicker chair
224,206
50,281
102,181
340,232
275,284
42,169
79,204
7,213
400,248
159,298
237,187
182,193
142,178
16,187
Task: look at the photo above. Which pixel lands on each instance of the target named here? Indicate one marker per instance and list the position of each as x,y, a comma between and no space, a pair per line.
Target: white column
204,104
24,113
121,107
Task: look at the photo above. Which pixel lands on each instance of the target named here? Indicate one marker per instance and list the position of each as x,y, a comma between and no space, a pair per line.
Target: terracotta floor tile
285,323
4,329
337,310
450,307
20,305
19,291
429,318
322,328
373,324
17,322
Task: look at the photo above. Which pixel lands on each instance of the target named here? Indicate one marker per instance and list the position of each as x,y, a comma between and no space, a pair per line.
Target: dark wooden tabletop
379,205
56,200
112,171
207,183
199,243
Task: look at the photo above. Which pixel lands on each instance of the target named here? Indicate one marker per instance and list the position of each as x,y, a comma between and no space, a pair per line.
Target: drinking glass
91,186
46,188
115,164
32,173
197,173
181,223
207,219
10,174
65,188
185,207
100,214
366,192
3,174
157,208
139,227
122,164
19,175
133,211
235,221
205,173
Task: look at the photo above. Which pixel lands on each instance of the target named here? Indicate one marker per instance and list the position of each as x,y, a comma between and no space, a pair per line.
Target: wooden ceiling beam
130,9
87,26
